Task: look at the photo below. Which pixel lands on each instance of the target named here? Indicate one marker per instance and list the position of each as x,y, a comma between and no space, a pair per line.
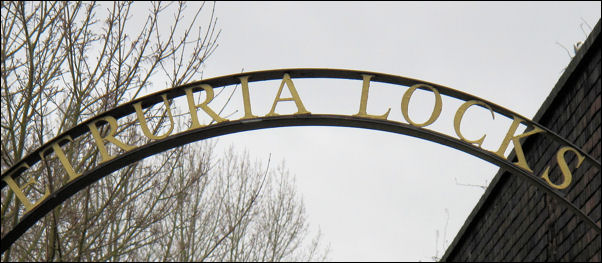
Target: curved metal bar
259,123
152,99
223,128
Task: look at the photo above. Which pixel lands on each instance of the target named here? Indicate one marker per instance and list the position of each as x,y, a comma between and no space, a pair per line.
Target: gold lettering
144,125
564,168
522,162
460,115
192,107
61,155
99,140
364,101
19,190
295,97
246,99
405,102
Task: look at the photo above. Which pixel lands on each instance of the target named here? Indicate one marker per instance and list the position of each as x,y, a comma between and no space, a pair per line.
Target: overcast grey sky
378,196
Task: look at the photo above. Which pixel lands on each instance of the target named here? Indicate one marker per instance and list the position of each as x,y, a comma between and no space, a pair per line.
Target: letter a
295,97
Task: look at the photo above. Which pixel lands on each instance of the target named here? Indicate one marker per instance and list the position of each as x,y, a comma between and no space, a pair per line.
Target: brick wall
515,221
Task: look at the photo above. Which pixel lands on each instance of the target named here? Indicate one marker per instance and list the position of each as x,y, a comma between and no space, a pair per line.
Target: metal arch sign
36,209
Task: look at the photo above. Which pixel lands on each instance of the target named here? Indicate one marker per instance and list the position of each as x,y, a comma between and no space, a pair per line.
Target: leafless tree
64,62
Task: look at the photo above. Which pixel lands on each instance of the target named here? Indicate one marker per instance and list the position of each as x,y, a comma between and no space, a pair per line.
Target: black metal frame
229,127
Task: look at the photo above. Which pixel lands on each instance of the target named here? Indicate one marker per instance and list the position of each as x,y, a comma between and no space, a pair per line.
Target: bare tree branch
64,62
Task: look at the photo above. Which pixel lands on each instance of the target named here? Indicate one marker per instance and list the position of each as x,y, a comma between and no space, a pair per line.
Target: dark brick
519,222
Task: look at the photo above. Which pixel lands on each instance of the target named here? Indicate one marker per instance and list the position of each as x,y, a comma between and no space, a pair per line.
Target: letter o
405,101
